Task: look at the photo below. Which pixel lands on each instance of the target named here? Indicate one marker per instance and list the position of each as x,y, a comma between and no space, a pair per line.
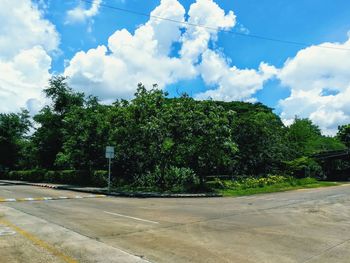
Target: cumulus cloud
147,56
207,14
319,80
114,70
25,43
23,27
80,14
231,83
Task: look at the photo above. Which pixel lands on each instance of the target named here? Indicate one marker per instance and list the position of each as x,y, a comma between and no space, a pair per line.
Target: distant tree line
157,137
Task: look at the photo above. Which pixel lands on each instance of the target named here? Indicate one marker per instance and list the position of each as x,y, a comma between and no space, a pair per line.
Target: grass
231,189
248,186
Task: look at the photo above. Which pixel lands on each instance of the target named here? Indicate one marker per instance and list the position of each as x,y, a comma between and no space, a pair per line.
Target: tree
305,138
344,134
48,137
13,130
85,135
155,132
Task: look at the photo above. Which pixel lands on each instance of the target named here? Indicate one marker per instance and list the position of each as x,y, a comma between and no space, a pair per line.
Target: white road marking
6,231
131,217
2,200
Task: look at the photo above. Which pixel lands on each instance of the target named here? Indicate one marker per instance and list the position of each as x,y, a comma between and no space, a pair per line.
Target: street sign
109,156
110,152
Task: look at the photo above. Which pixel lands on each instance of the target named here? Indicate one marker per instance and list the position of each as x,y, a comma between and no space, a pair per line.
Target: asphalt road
299,226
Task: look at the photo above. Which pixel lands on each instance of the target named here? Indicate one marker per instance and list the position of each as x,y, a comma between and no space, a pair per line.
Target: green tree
305,138
344,134
13,130
154,131
260,138
48,137
85,135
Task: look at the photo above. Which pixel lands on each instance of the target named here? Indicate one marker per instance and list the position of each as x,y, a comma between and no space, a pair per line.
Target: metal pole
109,175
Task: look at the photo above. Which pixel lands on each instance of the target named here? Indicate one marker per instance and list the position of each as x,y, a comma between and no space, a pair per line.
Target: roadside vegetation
165,144
269,184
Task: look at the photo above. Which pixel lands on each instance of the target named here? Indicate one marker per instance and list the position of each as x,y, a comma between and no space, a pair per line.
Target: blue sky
311,22
70,38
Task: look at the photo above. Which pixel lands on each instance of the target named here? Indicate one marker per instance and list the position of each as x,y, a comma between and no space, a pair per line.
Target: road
299,226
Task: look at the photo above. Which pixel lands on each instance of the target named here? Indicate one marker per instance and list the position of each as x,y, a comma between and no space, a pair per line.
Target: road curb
117,194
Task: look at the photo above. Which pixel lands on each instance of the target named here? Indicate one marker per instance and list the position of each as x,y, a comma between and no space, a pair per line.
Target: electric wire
217,29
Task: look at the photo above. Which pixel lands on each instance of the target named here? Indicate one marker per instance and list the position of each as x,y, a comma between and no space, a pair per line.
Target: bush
180,179
259,182
36,175
149,180
79,177
99,178
249,182
173,179
304,167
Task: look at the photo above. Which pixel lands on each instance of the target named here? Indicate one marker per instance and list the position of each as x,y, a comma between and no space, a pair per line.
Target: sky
106,51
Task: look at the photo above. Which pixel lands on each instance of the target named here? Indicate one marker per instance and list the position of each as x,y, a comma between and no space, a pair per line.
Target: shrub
79,177
149,180
99,178
173,179
304,167
36,175
180,179
250,182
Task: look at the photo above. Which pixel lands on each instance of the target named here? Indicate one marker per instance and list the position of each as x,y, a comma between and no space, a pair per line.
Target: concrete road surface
299,226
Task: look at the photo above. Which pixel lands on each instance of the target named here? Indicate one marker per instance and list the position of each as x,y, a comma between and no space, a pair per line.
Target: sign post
109,156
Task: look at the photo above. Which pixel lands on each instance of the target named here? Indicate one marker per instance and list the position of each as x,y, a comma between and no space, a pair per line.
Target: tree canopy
155,133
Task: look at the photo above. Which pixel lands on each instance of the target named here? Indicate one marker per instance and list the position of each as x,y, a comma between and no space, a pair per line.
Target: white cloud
22,27
319,80
207,14
26,40
80,14
132,58
145,56
231,83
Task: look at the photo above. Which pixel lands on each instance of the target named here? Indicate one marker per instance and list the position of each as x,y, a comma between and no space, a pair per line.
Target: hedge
79,177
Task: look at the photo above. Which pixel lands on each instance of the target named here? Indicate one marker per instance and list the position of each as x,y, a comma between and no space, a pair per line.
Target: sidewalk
99,190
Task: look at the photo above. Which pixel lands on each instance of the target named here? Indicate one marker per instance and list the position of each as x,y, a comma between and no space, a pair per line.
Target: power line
253,36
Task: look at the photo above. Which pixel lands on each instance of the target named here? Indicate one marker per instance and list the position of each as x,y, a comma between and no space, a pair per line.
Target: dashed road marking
6,231
29,199
131,217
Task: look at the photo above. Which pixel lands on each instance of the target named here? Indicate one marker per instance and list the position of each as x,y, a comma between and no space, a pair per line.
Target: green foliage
172,144
13,129
344,134
152,131
305,138
272,183
78,177
35,175
85,135
99,178
250,182
173,179
260,139
180,179
303,167
48,138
